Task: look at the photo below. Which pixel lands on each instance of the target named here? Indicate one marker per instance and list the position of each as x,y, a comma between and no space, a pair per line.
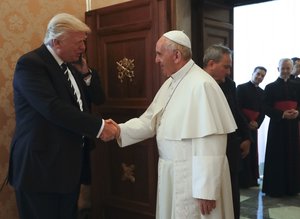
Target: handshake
110,131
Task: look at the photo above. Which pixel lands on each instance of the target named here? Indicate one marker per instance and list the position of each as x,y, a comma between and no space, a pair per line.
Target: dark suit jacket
47,143
242,133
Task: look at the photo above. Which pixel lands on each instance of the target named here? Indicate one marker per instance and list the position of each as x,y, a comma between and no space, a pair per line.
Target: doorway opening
263,34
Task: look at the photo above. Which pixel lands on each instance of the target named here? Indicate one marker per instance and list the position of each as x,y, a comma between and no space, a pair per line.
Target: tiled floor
255,205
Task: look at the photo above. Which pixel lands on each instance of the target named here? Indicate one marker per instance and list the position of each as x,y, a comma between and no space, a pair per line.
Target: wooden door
212,23
122,48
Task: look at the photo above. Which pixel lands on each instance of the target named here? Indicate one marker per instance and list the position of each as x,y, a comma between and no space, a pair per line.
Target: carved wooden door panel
122,48
212,23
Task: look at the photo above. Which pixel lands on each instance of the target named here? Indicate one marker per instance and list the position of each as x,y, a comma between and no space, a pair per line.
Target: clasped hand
290,114
110,131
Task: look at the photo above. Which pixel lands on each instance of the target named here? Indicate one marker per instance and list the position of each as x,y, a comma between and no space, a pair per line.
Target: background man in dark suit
250,100
217,62
53,123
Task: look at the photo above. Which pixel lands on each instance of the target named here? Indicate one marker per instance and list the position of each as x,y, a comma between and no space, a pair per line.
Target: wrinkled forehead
162,44
163,41
285,63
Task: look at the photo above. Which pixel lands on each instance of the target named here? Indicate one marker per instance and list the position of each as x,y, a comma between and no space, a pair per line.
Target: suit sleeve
39,86
137,129
94,91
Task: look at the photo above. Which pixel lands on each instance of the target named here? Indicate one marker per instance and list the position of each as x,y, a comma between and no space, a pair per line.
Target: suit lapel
56,71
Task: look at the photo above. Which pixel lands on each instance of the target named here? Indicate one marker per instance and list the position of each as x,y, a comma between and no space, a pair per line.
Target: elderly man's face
285,69
220,70
70,46
165,57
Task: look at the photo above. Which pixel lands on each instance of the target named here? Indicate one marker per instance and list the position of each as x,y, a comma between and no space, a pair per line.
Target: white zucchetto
179,37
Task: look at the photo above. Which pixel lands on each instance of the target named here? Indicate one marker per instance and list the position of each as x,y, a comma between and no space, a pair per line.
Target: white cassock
190,118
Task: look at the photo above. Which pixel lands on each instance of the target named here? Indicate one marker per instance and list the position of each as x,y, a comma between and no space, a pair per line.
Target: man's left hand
206,206
245,148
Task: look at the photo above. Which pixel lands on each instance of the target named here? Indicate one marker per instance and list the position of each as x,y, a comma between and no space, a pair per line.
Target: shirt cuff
101,128
87,77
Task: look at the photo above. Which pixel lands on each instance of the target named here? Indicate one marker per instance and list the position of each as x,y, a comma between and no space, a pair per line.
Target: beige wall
22,25
183,13
103,3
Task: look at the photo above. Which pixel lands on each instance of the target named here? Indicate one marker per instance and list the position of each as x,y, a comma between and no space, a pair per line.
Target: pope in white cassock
190,118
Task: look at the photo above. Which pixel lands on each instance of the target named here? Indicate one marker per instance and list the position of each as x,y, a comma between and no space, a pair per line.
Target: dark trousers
235,194
234,158
32,205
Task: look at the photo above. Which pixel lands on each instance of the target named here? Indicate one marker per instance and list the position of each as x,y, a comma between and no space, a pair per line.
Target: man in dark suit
217,62
296,69
53,123
250,100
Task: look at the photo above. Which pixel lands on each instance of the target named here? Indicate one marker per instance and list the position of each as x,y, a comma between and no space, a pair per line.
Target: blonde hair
63,23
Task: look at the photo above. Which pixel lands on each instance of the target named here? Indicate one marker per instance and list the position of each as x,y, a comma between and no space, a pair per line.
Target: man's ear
177,56
211,63
55,43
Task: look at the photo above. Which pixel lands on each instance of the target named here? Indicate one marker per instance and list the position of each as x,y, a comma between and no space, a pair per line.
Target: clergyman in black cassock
282,163
250,100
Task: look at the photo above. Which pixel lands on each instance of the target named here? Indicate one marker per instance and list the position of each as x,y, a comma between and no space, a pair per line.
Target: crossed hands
290,114
253,125
110,131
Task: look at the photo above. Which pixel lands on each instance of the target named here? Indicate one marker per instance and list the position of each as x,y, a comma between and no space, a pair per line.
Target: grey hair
281,61
215,53
185,51
63,23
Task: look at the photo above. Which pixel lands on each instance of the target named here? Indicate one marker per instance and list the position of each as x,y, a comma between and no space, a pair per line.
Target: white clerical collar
56,57
181,72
